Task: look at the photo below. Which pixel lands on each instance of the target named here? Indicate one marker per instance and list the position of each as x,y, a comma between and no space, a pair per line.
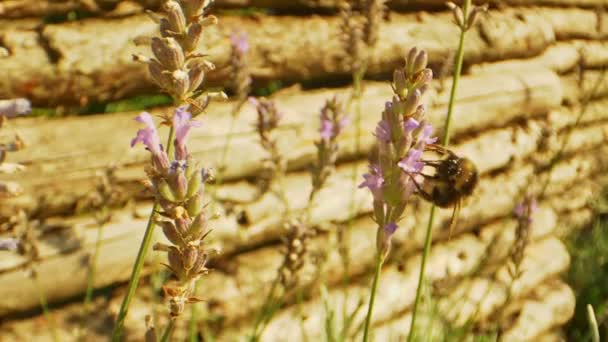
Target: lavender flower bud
458,17
171,232
190,41
180,187
411,58
168,52
199,265
165,28
161,79
194,8
194,184
163,188
196,75
190,255
194,206
175,15
420,61
183,226
399,84
411,102
181,83
175,262
198,228
474,15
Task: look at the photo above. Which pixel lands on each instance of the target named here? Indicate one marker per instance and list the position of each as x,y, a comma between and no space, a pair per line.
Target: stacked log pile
534,79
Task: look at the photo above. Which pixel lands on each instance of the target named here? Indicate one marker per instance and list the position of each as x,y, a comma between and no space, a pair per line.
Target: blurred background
531,112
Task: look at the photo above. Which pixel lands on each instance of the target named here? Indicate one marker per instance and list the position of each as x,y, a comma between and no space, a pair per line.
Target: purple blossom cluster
402,136
241,75
333,120
178,186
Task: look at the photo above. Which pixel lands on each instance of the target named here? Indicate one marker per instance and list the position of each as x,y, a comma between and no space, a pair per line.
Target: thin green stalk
93,265
372,297
446,141
168,331
139,261
229,136
192,326
595,334
45,308
566,140
263,315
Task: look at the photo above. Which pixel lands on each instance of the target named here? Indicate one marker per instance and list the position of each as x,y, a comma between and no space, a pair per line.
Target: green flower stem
139,261
446,141
595,334
93,265
265,313
45,307
583,110
167,334
372,297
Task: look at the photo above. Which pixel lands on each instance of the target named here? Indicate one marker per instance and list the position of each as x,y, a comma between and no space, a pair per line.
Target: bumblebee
454,179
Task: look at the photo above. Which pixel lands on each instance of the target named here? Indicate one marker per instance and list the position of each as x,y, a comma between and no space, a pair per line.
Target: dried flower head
466,20
295,250
402,136
268,117
333,120
523,212
176,68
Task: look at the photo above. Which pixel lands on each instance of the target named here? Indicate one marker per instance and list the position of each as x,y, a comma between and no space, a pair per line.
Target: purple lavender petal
239,42
327,130
425,136
373,181
411,163
390,229
147,136
383,131
410,125
182,125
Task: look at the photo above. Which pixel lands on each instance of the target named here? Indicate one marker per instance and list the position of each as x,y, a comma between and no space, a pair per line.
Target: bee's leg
437,148
423,193
454,219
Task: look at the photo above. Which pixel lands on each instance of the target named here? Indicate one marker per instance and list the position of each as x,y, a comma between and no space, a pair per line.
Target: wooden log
59,272
13,9
550,305
90,60
553,299
265,221
396,292
249,284
560,57
483,101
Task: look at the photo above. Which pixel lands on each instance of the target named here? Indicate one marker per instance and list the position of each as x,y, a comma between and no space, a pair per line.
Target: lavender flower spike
181,124
149,137
240,42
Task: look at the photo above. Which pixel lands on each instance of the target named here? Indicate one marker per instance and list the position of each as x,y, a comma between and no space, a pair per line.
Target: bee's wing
454,218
